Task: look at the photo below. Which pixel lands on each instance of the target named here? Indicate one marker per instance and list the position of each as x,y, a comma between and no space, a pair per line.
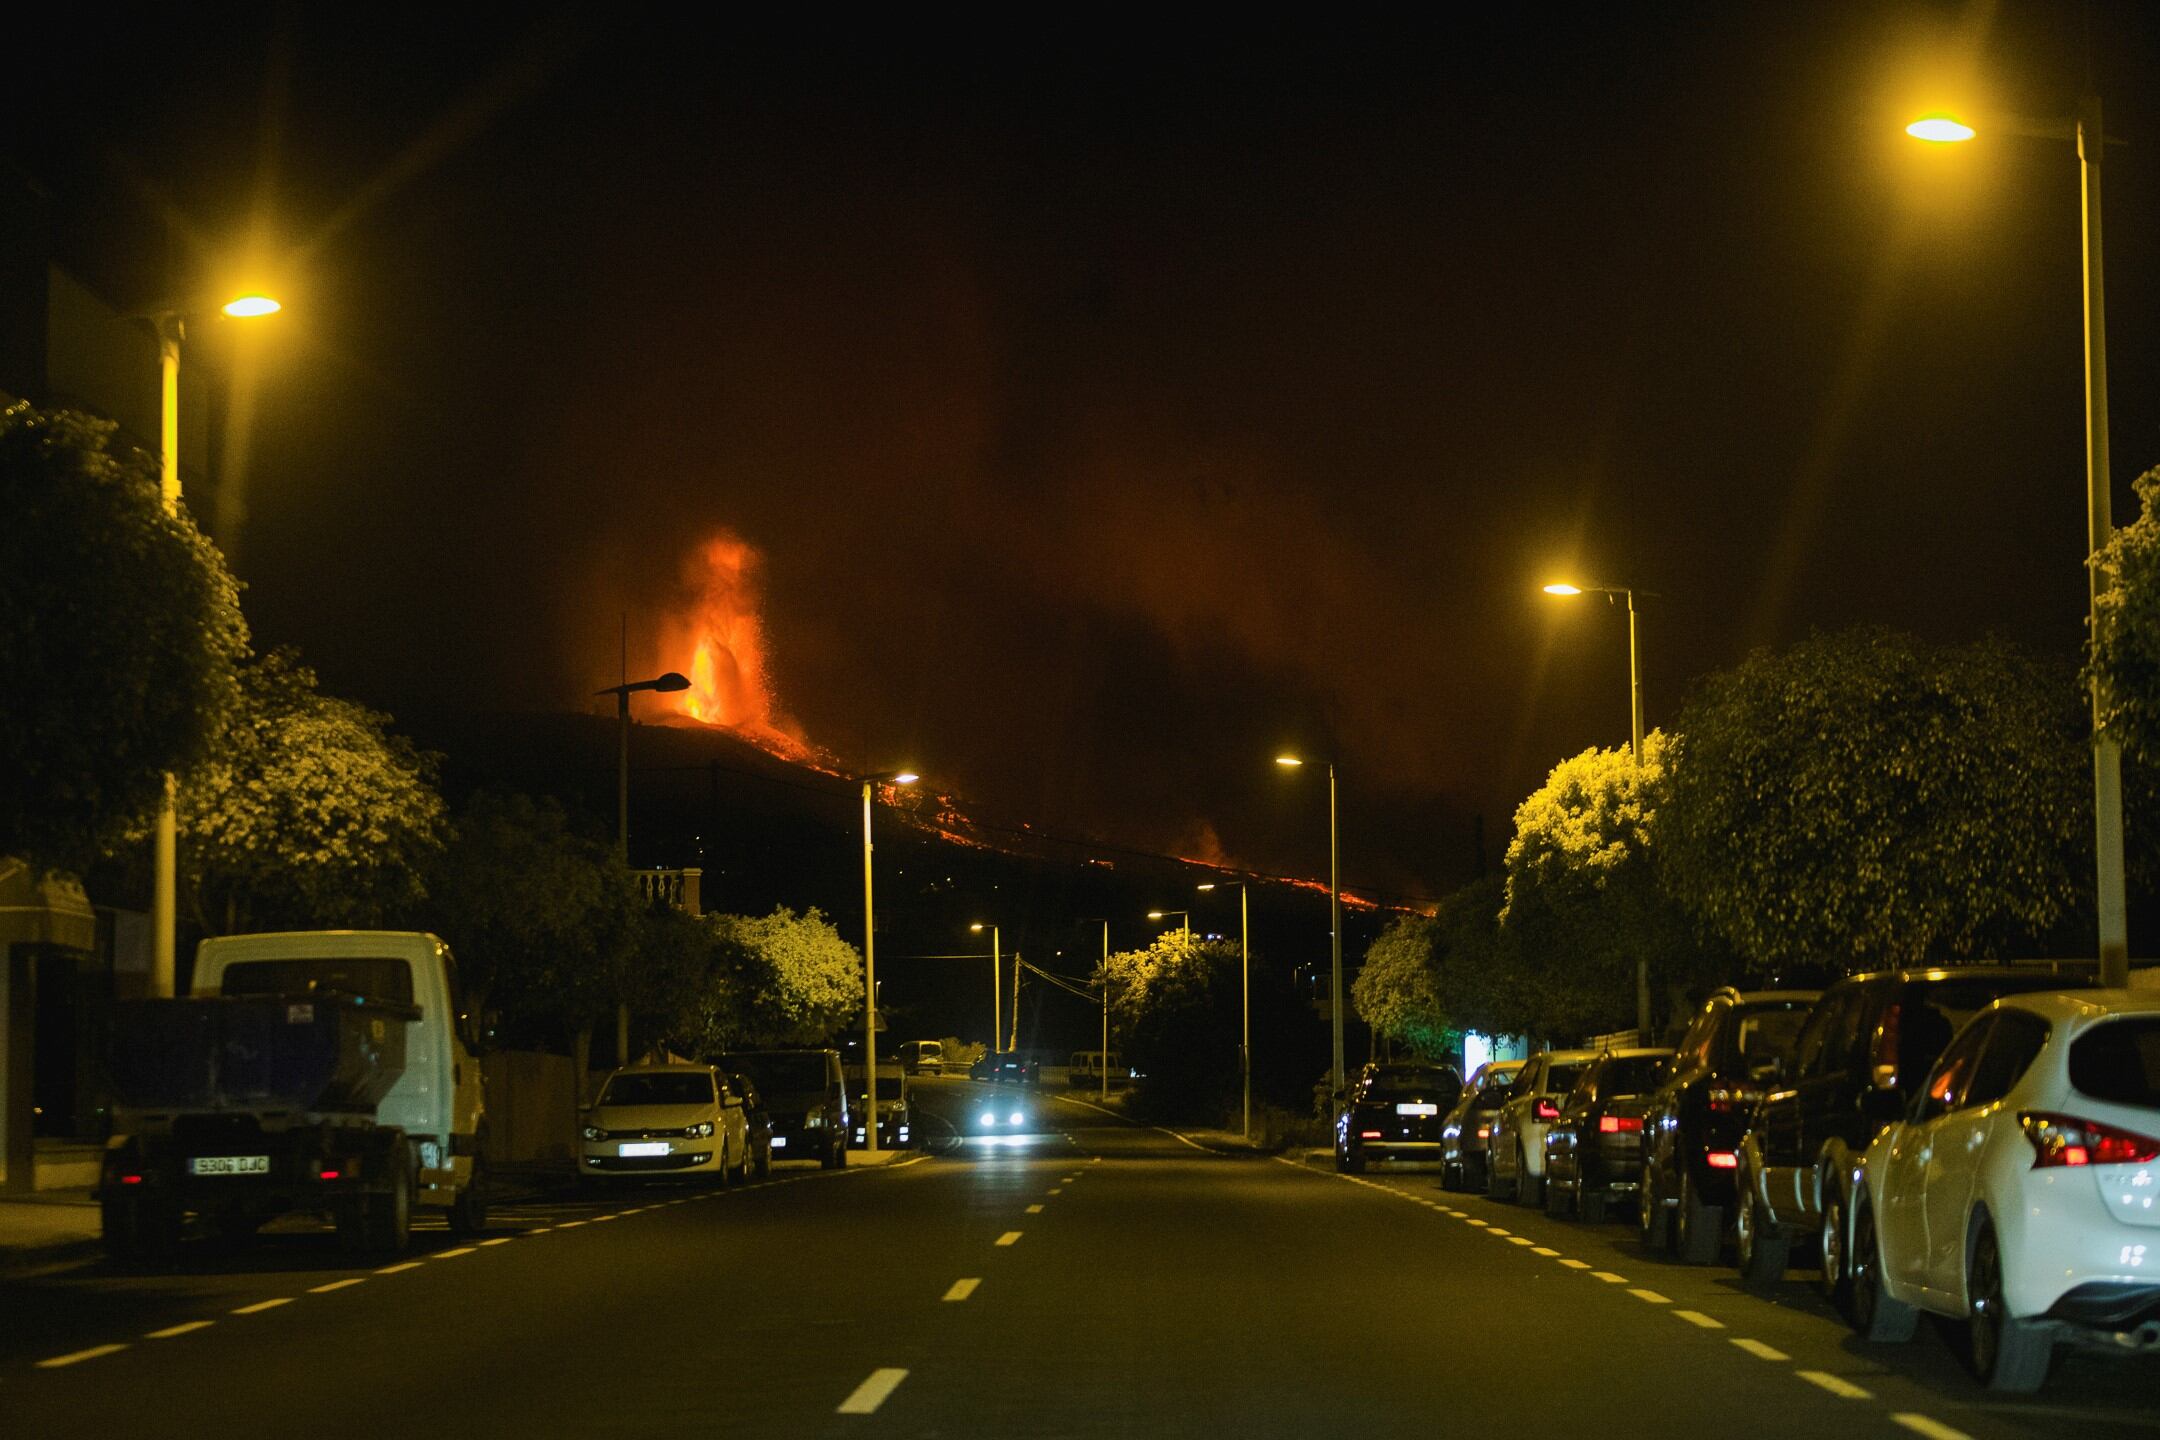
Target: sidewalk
50,1226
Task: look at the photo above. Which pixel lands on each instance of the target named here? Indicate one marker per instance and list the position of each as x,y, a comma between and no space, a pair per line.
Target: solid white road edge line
872,1393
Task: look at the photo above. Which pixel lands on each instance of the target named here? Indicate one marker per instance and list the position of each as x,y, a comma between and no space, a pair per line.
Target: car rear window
379,978
1631,1075
1559,1079
1411,1082
1769,1033
2119,1061
680,1089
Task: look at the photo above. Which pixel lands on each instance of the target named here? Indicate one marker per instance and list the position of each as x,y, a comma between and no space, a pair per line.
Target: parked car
1463,1134
665,1120
1392,1116
1515,1149
1857,1064
806,1097
1693,1121
1092,1067
894,1111
1007,1067
1593,1152
2017,1192
922,1057
757,1121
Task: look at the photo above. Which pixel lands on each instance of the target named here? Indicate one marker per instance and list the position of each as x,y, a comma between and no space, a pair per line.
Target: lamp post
171,328
1334,885
2085,129
869,954
1634,675
997,983
1184,919
1244,936
671,681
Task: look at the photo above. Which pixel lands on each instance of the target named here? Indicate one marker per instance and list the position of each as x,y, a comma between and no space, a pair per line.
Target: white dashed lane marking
1520,1240
1547,1251
337,1285
1034,1209
1651,1297
1010,1237
872,1392
961,1289
1609,1278
1575,1264
1761,1351
1699,1320
185,1327
261,1305
77,1357
400,1266
1933,1429
1837,1385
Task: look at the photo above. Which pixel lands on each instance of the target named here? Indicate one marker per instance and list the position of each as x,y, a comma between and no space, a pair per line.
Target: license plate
1422,1108
779,1142
643,1147
229,1165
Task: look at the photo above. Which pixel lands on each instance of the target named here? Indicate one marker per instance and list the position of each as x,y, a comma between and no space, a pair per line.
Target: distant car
1091,1068
665,1120
1463,1134
1002,1117
1593,1152
1007,1067
1693,1122
894,1111
1392,1116
757,1121
1515,1150
1860,1059
923,1057
2017,1193
806,1097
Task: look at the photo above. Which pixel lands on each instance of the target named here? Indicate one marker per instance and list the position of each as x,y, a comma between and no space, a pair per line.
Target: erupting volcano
719,642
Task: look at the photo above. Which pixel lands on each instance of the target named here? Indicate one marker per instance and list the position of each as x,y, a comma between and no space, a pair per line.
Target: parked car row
1981,1142
727,1119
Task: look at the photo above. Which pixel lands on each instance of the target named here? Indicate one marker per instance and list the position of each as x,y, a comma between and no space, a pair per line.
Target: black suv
1862,1055
1693,1122
1393,1115
1593,1152
806,1101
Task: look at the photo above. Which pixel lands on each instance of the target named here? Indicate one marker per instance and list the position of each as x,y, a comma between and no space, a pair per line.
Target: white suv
2020,1193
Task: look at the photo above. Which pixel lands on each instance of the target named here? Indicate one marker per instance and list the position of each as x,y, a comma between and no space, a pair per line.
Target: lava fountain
720,632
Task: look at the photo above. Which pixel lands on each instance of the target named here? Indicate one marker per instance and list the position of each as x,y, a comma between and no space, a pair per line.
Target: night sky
1111,402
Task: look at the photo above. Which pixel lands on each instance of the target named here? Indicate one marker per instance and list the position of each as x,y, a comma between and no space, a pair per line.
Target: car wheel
386,1218
835,1153
1653,1226
1835,1280
1763,1248
137,1230
2008,1355
1529,1189
1698,1229
1556,1195
1874,1313
469,1212
1495,1186
1355,1162
1450,1175
764,1159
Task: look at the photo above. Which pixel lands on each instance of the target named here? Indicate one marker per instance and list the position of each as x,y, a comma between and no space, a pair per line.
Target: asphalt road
1102,1280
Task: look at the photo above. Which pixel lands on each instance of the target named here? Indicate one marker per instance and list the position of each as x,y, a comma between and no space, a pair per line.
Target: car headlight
1017,1117
698,1131
594,1132
813,1121
989,1117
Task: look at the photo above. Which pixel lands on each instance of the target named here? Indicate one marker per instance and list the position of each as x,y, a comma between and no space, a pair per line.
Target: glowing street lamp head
1154,914
246,307
906,777
1209,885
1291,760
1563,589
1940,129
976,928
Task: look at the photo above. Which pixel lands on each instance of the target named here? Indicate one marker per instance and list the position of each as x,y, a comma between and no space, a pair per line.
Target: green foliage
120,629
543,920
782,979
1864,799
1582,896
2125,652
308,812
1397,989
1480,981
1174,1007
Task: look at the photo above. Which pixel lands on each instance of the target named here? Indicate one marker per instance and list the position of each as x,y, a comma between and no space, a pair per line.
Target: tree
1582,894
1175,1006
1397,987
2125,652
308,812
1865,799
782,979
543,920
120,629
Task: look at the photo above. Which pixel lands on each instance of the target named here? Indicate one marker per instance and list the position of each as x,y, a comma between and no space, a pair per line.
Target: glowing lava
724,639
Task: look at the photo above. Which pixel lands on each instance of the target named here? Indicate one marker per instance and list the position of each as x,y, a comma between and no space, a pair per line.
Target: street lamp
1334,885
997,984
869,955
1634,675
1244,936
1184,918
665,684
2085,129
1105,1067
171,327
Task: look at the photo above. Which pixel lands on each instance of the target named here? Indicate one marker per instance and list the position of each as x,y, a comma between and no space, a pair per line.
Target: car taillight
1545,1110
1619,1124
1368,1134
1722,1159
1733,1097
131,1179
1484,1132
2066,1140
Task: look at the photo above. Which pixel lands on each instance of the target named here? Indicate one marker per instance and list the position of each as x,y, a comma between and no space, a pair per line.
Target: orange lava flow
723,636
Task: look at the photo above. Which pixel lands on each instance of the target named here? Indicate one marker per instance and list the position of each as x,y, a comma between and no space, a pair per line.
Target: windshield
779,1071
381,979
2119,1061
675,1088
